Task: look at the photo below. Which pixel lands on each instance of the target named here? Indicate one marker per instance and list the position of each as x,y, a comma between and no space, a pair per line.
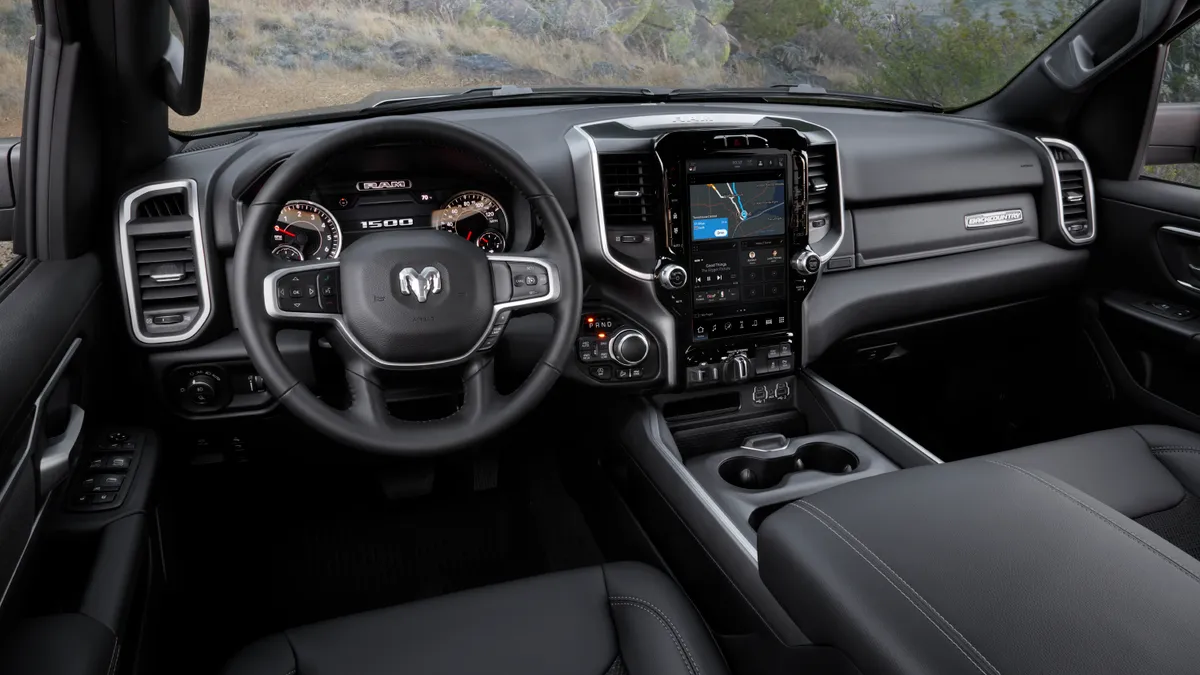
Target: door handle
55,462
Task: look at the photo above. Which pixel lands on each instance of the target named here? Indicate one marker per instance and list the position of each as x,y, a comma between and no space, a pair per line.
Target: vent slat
164,205
164,255
630,174
169,293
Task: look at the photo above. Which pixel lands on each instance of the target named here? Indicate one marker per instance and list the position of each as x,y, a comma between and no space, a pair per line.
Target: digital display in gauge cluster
340,213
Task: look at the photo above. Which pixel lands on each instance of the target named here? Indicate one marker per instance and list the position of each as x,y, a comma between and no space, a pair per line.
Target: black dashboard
697,224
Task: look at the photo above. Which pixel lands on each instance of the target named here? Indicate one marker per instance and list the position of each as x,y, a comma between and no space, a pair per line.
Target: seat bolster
1116,467
271,655
658,629
1178,450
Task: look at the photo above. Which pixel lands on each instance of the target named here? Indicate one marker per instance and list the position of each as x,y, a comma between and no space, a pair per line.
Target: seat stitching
898,589
906,585
1101,516
1173,448
678,633
686,666
114,659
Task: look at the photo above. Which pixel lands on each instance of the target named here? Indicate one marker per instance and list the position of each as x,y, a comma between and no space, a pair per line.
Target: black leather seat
607,620
1150,474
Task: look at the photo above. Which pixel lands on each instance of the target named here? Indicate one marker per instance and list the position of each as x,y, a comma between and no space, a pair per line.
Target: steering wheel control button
328,294
502,282
298,292
529,280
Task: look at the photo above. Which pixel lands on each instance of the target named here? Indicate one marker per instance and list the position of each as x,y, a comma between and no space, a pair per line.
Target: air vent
172,205
822,176
630,186
163,262
1074,183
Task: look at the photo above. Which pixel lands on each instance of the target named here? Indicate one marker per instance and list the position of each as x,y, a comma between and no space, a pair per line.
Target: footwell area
265,545
981,383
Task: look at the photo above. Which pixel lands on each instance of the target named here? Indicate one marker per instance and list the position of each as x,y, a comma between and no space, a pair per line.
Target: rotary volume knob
672,277
629,347
806,262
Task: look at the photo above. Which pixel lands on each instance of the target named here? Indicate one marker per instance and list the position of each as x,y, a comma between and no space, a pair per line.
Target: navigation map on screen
737,210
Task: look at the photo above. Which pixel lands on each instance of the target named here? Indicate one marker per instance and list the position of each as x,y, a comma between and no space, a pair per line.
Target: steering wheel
409,300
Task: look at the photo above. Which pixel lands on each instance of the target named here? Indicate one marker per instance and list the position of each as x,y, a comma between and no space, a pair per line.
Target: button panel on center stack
611,349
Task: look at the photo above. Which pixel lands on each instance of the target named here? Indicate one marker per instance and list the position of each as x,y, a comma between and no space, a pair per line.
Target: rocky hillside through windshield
271,56
275,56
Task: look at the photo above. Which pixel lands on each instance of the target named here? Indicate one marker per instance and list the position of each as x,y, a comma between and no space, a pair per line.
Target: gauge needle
280,229
469,233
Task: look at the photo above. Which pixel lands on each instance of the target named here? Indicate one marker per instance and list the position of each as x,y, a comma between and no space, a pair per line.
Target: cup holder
758,473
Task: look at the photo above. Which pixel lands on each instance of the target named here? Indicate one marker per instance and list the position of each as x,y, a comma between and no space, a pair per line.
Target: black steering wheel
407,300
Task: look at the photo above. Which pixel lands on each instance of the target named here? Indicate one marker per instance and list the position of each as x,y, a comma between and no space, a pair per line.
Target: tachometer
490,241
305,230
470,214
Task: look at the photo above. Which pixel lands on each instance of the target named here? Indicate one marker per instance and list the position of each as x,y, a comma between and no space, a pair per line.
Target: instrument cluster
338,214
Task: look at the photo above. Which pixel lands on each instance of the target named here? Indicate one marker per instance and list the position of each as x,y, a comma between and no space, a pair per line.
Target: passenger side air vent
1073,181
823,191
630,196
629,187
164,268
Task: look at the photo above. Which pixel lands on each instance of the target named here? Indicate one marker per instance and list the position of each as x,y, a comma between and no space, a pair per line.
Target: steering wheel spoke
304,293
525,283
479,388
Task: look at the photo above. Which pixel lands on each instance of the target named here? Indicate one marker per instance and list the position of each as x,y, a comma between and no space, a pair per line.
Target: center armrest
981,567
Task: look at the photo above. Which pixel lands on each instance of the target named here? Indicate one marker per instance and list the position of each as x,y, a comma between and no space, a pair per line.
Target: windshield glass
276,56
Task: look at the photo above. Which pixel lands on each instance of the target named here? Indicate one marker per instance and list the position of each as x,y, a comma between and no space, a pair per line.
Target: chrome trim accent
627,194
594,217
1047,143
129,278
976,221
420,284
644,122
697,489
273,310
35,426
828,386
1187,285
168,278
1180,231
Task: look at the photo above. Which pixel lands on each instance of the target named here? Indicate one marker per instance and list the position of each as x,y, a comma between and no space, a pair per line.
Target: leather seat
606,620
1150,474
1028,561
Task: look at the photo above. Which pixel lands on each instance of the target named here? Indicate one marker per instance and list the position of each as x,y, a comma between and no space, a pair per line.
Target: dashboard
720,243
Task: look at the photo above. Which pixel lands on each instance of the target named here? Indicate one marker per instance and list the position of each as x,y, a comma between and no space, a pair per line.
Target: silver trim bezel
1047,143
23,464
1183,232
644,122
334,251
199,248
828,386
269,300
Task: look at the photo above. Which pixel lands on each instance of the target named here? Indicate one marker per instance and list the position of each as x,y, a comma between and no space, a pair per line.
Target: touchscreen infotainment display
737,210
738,255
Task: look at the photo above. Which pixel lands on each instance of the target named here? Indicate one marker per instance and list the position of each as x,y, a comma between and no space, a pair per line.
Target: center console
734,262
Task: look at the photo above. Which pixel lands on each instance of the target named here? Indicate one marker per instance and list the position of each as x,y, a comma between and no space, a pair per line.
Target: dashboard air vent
822,172
167,287
630,186
171,205
1073,181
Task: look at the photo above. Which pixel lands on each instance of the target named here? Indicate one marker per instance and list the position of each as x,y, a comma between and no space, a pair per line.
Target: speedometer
305,230
470,214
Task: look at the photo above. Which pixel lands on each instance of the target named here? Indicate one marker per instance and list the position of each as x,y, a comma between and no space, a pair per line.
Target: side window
16,28
1178,98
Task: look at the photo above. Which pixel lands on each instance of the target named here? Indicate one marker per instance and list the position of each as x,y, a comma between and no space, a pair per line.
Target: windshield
276,56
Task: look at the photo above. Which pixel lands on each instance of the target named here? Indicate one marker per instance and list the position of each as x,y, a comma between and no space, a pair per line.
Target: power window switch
118,462
82,499
96,463
104,498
